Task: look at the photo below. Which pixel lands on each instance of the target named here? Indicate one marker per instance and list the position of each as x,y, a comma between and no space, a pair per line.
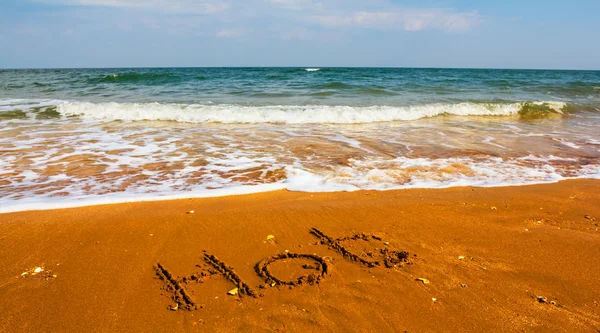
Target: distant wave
312,69
132,77
297,114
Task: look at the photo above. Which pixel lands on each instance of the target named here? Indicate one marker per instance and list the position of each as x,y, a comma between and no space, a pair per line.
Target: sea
75,137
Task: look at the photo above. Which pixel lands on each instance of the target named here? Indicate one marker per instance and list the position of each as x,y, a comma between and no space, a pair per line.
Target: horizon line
320,67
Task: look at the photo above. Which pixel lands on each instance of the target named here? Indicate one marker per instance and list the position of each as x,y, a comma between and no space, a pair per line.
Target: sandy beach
479,259
299,166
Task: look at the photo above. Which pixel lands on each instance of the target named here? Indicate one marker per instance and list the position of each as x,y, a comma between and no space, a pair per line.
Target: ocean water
72,137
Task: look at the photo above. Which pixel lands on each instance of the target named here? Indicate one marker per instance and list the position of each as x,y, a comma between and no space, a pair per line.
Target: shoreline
487,254
242,190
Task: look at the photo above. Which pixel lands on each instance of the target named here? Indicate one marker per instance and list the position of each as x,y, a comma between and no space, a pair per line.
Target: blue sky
426,33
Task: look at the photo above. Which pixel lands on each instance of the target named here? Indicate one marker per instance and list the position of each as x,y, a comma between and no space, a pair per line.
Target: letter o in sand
322,269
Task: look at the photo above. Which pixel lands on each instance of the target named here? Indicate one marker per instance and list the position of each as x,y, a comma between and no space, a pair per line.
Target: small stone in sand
494,208
174,307
190,212
542,299
233,292
425,281
461,257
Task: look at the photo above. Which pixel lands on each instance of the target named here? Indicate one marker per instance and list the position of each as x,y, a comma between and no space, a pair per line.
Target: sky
548,34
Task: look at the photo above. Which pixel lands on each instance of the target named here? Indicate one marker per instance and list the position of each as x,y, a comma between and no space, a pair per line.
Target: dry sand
487,253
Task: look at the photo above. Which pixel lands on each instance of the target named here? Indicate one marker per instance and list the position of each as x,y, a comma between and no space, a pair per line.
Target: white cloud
169,6
228,33
408,19
293,19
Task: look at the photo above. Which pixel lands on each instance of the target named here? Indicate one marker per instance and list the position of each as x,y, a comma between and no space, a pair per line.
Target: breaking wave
297,114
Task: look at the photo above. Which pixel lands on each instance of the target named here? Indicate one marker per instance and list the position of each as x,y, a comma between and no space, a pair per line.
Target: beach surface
523,258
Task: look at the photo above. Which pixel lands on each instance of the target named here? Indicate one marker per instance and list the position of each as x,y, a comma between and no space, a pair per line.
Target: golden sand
480,259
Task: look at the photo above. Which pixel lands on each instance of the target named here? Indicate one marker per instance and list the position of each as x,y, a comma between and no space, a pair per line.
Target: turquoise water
84,136
297,86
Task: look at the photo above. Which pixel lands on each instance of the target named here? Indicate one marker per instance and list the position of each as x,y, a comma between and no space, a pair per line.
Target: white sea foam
593,141
42,203
403,172
350,142
398,173
489,140
312,69
567,143
287,114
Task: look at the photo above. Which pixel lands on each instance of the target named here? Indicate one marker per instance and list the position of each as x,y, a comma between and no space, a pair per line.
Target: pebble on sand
425,281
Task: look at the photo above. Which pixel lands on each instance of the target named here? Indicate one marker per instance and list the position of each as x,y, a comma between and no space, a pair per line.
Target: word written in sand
176,286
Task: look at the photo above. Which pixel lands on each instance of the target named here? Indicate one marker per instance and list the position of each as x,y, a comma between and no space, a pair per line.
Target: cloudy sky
426,33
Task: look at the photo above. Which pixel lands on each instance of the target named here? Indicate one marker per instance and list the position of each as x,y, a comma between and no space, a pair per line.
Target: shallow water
73,137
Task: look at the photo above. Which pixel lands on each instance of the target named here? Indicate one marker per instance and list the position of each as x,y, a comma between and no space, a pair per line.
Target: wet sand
493,259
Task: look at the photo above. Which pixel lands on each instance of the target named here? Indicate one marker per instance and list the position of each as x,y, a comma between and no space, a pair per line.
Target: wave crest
294,114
